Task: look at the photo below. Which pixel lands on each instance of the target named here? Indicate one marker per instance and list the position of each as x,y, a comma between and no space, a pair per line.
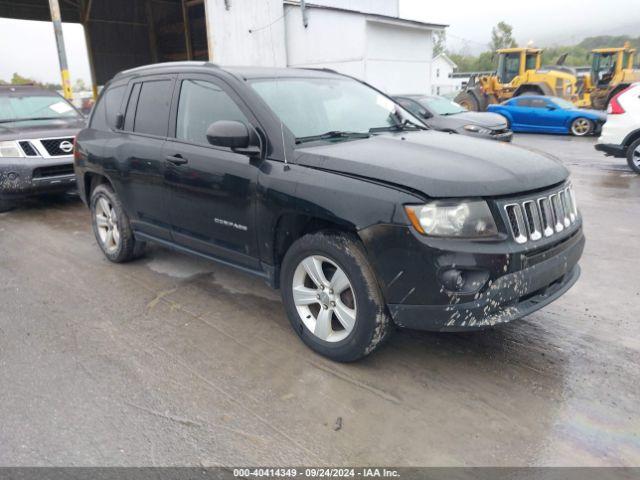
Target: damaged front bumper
24,177
511,284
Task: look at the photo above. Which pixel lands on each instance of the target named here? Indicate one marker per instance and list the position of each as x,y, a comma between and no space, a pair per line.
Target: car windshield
563,104
29,107
442,106
331,107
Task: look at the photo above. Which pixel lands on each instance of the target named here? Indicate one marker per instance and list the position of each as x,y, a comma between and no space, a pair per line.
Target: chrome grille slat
534,218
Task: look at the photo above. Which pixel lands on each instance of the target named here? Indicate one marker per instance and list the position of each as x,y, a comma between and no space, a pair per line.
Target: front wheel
633,156
581,127
332,298
111,226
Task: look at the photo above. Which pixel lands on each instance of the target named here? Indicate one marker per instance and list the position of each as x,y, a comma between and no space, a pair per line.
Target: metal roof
370,15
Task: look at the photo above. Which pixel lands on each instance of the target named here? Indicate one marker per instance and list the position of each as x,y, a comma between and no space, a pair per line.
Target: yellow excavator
520,72
612,70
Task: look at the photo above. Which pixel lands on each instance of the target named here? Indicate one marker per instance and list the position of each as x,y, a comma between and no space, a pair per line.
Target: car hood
439,164
55,128
493,121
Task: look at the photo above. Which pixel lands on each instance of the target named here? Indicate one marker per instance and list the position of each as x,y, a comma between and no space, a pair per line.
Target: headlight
477,129
10,149
453,219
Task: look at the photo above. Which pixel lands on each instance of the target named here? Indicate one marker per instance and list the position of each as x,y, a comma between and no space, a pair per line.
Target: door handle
176,159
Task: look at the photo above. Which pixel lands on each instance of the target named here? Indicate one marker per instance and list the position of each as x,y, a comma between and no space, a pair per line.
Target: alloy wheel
324,298
635,157
106,223
580,127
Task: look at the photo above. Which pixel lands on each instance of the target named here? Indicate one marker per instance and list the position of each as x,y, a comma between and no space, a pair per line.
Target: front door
213,189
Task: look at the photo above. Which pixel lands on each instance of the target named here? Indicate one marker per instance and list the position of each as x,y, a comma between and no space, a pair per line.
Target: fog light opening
453,279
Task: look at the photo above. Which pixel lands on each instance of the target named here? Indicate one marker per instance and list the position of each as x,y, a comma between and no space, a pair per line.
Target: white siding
331,38
443,83
398,58
231,43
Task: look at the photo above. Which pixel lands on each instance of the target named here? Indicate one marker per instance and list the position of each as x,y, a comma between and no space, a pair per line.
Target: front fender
352,202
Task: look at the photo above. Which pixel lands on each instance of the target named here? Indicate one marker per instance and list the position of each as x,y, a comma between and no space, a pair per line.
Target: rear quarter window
108,107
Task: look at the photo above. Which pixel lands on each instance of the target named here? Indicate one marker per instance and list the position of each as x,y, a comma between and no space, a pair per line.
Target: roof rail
151,66
323,69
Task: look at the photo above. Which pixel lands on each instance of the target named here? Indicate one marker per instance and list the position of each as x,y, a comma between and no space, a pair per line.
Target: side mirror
234,135
425,114
550,107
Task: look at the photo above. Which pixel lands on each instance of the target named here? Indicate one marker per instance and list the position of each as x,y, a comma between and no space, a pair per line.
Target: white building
362,38
442,80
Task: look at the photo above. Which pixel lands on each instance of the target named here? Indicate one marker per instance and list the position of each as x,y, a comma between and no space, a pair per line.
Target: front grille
542,216
28,149
58,146
53,171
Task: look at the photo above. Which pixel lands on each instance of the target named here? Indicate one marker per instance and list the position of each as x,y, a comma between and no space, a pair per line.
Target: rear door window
152,112
202,103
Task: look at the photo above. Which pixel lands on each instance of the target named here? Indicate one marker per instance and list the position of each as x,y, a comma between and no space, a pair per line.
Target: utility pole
54,6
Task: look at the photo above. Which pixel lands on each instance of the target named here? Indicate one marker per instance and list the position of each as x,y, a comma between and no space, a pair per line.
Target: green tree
79,86
439,42
18,79
502,37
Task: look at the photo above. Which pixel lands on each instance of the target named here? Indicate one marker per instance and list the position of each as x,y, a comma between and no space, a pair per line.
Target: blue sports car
538,114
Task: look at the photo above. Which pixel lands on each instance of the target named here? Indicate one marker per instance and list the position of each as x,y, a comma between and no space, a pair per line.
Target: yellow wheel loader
611,71
520,72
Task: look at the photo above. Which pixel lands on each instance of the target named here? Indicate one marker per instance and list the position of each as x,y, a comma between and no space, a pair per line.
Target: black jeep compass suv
332,192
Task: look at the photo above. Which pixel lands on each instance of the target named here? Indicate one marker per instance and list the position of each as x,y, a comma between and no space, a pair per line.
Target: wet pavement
177,361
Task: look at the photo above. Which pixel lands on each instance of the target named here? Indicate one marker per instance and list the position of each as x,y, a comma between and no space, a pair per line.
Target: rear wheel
111,226
468,101
581,127
633,156
332,298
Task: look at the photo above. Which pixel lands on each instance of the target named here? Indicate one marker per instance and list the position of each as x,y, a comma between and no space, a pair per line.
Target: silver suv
37,130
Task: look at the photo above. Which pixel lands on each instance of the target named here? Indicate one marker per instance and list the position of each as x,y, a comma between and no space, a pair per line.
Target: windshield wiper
11,120
333,134
399,127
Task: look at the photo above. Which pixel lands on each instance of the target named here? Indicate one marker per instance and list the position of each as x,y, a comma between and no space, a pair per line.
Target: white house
442,80
362,38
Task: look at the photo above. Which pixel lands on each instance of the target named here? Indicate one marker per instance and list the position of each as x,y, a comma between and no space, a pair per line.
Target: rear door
139,153
213,189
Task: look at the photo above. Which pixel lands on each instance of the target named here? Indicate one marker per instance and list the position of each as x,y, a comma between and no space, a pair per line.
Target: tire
468,101
529,92
360,302
633,156
581,127
111,226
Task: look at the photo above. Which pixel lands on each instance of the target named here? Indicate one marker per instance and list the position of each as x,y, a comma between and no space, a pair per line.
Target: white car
620,136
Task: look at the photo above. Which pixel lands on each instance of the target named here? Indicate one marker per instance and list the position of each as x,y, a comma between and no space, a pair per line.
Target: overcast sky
29,47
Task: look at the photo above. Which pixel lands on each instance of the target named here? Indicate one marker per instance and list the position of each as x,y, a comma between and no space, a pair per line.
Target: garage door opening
123,34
